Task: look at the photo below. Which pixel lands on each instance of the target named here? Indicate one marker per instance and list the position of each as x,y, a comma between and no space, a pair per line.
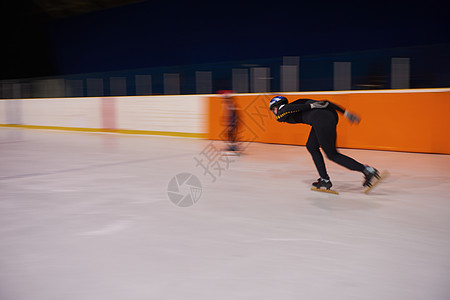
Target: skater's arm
291,108
353,118
301,105
295,107
335,107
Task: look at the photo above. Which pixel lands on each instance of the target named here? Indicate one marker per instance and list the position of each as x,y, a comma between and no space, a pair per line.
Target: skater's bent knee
311,146
332,155
312,149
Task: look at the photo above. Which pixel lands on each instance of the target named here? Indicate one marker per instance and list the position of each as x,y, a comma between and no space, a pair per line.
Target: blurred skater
323,118
231,121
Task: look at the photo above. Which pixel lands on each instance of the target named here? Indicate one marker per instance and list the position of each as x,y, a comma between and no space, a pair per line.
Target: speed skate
324,190
383,175
323,185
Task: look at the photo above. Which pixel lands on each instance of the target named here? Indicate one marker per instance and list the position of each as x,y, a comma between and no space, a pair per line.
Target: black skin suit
323,132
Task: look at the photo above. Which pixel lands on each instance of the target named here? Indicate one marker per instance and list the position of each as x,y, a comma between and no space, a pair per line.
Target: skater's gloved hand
352,117
319,104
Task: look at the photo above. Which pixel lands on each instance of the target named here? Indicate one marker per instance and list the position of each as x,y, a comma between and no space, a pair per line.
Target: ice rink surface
89,216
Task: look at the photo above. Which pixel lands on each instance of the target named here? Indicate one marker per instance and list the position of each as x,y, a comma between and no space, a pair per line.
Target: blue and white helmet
277,101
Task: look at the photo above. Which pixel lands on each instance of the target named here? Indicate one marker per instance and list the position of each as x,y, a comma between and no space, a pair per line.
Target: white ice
88,216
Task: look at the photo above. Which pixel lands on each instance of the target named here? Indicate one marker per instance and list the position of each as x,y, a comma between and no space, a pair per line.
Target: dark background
49,37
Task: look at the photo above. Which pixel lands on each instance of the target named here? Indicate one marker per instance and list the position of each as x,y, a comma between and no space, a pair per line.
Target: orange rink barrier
394,120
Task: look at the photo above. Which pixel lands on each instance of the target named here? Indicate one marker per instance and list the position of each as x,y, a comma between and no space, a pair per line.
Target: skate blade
324,191
383,175
231,153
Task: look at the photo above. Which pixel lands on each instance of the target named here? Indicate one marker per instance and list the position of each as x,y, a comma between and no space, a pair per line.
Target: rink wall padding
66,112
183,116
395,120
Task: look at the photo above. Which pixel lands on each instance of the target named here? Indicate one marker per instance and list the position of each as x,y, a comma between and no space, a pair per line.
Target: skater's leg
232,136
231,139
328,145
327,140
326,135
313,147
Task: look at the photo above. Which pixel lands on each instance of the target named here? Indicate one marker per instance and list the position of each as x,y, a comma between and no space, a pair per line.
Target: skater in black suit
323,118
231,121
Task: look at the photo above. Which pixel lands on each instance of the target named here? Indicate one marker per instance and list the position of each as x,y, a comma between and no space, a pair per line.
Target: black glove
352,117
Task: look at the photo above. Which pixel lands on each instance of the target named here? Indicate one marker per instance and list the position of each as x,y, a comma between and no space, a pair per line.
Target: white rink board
3,111
62,112
163,113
